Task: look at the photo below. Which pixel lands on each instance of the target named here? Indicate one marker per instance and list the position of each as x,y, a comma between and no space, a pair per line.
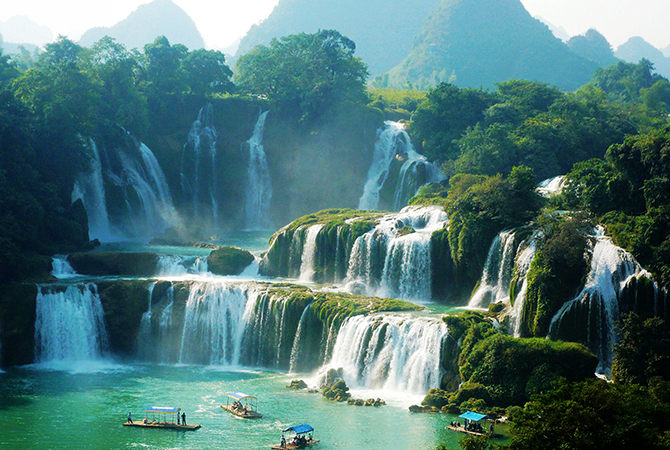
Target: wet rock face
229,260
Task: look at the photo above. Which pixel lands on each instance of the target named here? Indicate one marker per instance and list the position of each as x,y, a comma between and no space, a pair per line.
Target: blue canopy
162,409
472,416
239,395
300,429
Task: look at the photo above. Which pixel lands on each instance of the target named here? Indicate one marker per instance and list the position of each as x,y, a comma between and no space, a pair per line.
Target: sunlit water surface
43,408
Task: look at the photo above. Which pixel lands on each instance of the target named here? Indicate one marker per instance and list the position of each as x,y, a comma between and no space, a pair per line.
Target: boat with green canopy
242,405
301,437
163,417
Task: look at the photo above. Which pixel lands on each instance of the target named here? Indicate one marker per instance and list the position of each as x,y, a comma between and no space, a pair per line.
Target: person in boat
183,418
282,442
178,417
130,419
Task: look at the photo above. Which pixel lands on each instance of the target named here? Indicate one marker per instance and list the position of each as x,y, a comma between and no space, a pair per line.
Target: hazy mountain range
466,42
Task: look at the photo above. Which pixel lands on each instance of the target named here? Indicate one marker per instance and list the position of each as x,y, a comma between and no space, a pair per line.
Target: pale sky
221,22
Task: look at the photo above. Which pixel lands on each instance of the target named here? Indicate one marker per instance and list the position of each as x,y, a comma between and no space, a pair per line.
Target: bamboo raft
245,414
167,425
473,433
293,446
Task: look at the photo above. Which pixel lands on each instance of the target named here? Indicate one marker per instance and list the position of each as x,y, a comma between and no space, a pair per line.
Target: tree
306,75
592,414
444,116
206,72
162,74
644,351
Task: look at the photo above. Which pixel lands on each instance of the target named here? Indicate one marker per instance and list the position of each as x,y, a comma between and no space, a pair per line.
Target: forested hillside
478,43
383,30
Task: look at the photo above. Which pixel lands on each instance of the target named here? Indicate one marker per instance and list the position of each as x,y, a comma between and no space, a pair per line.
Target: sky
221,22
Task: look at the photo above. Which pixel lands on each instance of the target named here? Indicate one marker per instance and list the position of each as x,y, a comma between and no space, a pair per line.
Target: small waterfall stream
259,189
69,325
611,269
393,143
198,171
90,188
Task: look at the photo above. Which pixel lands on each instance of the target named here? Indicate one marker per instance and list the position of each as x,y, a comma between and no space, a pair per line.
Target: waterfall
90,189
69,324
214,323
551,186
394,259
198,172
61,268
523,261
177,266
611,269
498,272
393,143
390,352
141,204
309,254
259,188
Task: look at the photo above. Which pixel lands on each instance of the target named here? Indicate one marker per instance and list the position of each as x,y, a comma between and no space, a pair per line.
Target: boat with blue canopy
163,417
471,425
301,436
242,405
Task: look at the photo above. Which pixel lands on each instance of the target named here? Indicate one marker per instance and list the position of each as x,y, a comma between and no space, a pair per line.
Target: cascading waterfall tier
592,315
259,188
69,324
391,184
386,255
199,181
394,258
125,193
390,352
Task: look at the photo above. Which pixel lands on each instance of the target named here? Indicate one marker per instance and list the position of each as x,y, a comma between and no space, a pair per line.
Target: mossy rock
423,409
297,385
436,397
229,260
141,264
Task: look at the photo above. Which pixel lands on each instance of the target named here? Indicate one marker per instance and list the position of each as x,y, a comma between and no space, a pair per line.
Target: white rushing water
199,179
214,323
394,142
61,268
69,325
394,259
259,188
89,187
611,269
309,254
146,208
395,353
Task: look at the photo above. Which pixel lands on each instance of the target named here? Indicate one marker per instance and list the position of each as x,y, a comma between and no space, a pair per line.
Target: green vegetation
556,272
593,414
479,207
306,75
473,43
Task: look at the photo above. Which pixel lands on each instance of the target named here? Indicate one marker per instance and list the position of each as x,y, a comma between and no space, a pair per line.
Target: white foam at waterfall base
390,354
69,326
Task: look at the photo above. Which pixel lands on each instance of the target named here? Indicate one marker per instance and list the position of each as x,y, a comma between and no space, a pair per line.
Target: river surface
45,408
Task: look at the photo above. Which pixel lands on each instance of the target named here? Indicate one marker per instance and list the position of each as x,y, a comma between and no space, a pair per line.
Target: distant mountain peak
148,21
481,42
